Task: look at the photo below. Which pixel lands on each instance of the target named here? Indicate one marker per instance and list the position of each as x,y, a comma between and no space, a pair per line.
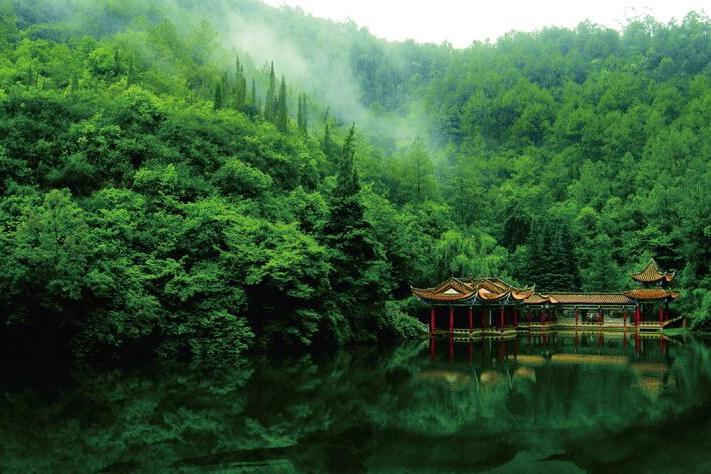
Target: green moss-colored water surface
553,404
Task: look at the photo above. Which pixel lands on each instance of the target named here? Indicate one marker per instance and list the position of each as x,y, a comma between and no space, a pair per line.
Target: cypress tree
117,63
299,113
243,91
282,112
30,76
328,146
270,100
240,94
302,117
238,65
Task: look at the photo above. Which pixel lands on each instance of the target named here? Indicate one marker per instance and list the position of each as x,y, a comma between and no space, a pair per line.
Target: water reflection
546,403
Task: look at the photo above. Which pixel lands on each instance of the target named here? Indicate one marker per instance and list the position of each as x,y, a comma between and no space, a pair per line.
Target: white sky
461,21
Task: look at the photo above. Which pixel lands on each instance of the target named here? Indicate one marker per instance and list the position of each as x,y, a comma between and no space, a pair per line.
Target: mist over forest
184,178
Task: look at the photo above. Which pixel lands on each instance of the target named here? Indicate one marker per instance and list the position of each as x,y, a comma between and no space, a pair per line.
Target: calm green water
555,405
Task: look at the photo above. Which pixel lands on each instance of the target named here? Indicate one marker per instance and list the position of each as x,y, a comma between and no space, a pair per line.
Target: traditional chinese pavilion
466,306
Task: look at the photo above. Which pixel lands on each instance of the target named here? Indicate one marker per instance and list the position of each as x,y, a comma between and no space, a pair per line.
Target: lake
554,404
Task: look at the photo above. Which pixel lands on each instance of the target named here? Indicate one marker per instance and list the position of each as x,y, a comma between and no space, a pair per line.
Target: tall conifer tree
328,146
302,117
218,97
270,100
282,114
360,279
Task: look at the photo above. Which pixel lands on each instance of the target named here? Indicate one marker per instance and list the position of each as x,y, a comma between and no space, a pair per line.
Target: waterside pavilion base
565,327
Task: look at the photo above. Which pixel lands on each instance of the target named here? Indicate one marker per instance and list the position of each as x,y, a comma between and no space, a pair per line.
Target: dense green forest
182,180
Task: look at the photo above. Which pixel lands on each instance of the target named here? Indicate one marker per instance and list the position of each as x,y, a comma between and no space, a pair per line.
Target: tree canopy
150,202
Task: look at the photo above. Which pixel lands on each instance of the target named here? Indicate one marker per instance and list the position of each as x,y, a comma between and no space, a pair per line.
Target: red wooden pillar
433,326
637,315
471,318
661,315
451,319
529,317
501,318
602,317
543,313
624,318
515,318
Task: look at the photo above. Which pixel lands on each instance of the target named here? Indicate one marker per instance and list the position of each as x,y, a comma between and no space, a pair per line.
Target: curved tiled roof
450,290
652,274
651,294
537,298
434,296
460,290
469,290
590,298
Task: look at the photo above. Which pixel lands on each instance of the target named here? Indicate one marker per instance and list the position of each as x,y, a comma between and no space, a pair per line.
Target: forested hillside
184,180
592,139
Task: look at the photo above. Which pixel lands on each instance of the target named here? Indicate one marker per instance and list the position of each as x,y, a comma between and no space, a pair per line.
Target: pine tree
536,259
571,264
253,102
360,279
552,264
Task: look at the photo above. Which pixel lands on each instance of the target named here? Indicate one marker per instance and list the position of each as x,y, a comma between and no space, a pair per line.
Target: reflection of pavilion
466,307
502,361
